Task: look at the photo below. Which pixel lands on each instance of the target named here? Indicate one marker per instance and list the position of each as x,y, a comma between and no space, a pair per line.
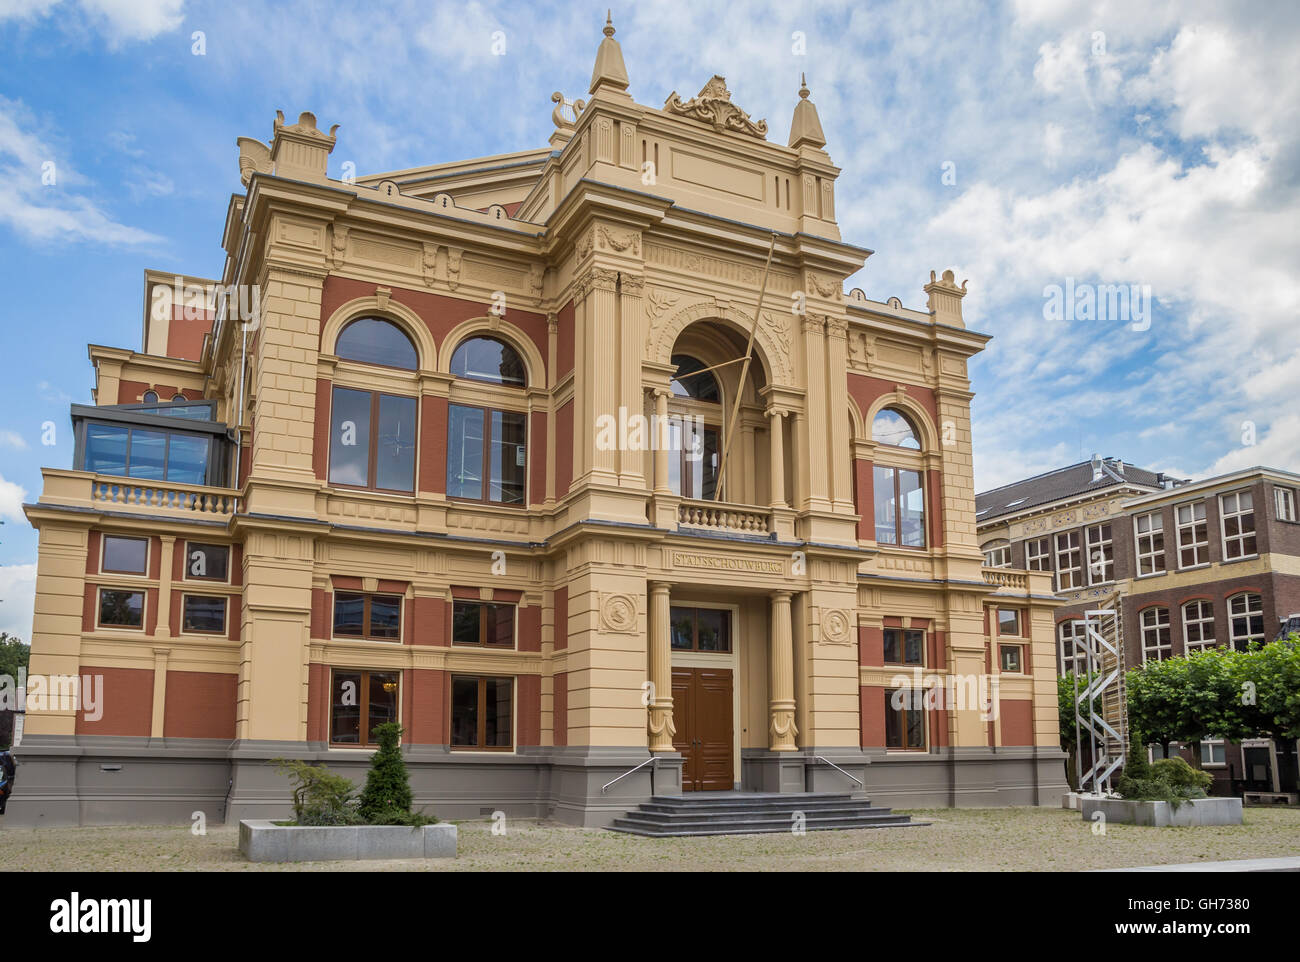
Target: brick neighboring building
1195,564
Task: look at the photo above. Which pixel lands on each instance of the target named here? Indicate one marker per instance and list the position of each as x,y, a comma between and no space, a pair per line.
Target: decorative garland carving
620,241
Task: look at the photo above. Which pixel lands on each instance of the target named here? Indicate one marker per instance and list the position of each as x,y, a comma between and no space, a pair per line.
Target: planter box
261,840
1197,811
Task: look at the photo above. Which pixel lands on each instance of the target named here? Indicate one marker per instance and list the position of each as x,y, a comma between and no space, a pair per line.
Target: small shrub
1179,774
1169,780
319,796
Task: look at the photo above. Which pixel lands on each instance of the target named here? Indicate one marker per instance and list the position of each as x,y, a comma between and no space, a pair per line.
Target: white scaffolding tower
1101,708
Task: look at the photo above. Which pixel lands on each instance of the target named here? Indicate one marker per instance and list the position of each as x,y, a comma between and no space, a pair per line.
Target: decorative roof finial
610,71
805,126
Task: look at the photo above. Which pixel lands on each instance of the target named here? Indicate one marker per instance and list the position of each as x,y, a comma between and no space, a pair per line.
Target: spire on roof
806,127
609,70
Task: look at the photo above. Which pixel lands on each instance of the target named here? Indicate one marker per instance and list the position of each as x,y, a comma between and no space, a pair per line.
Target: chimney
1096,468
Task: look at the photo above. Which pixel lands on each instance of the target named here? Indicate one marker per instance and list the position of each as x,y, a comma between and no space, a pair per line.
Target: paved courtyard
1006,839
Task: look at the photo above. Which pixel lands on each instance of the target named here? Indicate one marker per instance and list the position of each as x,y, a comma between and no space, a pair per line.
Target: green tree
386,799
1184,699
14,655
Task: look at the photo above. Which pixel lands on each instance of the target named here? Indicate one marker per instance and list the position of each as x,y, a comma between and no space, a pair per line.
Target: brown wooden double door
702,714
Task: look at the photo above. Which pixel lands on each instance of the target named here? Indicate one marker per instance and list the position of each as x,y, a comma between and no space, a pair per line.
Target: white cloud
17,599
13,439
41,194
121,21
12,497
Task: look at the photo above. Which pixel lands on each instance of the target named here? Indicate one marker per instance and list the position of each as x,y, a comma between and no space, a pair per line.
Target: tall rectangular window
1009,622
1149,532
361,701
487,454
481,712
899,496
1198,625
694,455
1038,554
1156,645
1284,502
904,719
1245,619
372,440
1101,555
1193,535
1069,561
1237,516
1073,639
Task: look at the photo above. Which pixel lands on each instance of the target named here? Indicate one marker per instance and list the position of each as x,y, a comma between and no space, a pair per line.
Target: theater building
464,469
1191,564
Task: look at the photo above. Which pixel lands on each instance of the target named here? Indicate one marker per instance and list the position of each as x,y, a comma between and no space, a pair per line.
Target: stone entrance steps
748,813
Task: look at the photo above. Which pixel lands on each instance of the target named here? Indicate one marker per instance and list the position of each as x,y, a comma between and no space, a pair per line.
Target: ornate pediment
713,106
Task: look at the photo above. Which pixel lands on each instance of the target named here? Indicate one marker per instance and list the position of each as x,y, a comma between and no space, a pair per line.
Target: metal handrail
604,788
822,758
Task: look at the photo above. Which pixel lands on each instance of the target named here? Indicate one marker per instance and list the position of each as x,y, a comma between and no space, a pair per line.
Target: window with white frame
1038,554
1149,532
1071,638
1193,535
1213,752
1198,625
998,555
1245,619
1155,634
1069,561
1237,516
1101,555
1284,501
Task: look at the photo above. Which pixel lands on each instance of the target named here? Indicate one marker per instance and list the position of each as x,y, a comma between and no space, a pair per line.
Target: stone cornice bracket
713,106
552,323
382,295
454,255
300,151
429,263
338,244
944,299
536,277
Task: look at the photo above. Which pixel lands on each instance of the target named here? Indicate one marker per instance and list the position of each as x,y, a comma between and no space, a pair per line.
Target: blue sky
1023,145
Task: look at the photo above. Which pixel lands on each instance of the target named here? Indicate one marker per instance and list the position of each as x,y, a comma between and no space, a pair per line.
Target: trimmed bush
319,796
386,799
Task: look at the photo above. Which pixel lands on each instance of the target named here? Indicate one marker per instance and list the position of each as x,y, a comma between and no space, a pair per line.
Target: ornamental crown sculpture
713,106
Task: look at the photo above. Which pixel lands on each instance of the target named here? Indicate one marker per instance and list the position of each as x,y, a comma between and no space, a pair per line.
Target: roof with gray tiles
1058,485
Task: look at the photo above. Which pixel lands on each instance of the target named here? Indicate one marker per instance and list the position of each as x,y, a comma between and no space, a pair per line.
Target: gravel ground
1002,839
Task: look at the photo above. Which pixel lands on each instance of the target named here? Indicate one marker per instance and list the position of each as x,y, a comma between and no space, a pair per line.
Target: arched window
373,340
177,398
150,397
487,359
687,383
892,428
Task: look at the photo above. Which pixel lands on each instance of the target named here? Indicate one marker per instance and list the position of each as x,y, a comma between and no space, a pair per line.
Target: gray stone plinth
1196,811
261,840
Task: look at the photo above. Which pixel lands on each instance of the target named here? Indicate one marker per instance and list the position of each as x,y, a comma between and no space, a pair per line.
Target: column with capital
776,448
662,440
781,728
661,673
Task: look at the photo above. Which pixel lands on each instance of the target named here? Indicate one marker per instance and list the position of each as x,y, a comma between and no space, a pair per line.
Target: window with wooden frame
1193,535
1011,658
487,455
904,646
482,624
1069,561
482,712
1038,554
361,701
120,609
1198,625
372,617
700,629
899,496
1156,645
1284,503
372,440
125,556
1245,619
997,555
1149,536
207,562
904,719
1101,554
1009,622
1237,520
694,442
203,614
